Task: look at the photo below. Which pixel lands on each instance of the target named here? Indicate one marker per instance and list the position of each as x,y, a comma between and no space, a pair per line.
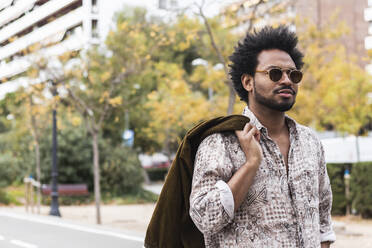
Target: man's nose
285,79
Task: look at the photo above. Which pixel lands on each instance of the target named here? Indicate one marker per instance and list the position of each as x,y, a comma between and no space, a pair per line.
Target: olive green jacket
171,225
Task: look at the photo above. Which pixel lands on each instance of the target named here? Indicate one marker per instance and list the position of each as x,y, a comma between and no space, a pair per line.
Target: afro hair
244,59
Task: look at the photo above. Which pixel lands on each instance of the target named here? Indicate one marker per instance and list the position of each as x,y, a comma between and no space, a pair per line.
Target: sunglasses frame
287,71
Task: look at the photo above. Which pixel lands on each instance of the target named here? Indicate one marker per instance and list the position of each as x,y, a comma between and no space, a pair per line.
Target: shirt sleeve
325,202
211,200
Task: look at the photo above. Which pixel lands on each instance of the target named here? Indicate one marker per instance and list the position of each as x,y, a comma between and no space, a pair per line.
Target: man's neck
273,120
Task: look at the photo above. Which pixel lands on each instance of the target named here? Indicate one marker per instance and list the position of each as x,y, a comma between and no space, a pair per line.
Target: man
267,185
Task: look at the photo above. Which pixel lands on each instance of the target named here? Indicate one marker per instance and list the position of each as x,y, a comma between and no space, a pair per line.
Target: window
162,4
95,28
94,6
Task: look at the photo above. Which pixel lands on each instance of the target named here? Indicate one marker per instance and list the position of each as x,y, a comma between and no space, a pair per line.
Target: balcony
368,14
32,18
5,3
60,24
20,65
13,12
368,42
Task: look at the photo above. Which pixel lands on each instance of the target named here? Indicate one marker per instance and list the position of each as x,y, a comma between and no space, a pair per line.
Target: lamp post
54,210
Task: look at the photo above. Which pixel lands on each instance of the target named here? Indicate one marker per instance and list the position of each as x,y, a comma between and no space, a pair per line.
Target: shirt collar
292,125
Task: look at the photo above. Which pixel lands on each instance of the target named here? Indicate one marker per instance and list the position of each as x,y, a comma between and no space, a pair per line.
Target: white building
55,26
48,28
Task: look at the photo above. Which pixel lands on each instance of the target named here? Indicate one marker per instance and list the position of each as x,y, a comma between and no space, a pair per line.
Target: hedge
336,176
360,187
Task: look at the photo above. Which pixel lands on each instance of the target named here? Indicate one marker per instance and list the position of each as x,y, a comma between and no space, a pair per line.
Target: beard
283,106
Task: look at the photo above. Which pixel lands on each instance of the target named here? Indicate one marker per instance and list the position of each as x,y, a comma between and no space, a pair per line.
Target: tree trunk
97,189
38,174
230,107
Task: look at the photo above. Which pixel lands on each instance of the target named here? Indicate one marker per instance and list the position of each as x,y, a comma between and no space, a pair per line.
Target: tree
221,30
100,81
334,91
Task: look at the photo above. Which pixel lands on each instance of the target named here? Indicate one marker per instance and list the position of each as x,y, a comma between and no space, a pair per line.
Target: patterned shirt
279,210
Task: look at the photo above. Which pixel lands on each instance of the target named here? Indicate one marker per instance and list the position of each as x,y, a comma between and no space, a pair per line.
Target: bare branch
81,106
213,42
106,106
253,15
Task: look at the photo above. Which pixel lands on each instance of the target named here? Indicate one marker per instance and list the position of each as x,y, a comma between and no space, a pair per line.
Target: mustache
285,88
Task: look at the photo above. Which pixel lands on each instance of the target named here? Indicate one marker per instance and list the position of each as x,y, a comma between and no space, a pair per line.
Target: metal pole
54,191
347,189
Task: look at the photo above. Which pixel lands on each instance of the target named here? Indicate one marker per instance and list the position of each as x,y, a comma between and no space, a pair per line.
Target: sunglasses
275,74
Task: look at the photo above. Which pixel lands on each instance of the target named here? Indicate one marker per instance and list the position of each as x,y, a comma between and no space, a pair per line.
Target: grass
12,195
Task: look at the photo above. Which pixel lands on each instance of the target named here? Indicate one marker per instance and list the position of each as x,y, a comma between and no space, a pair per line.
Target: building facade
352,12
49,27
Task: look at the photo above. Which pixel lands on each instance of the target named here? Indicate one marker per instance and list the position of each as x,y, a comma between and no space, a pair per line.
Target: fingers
247,127
257,135
248,131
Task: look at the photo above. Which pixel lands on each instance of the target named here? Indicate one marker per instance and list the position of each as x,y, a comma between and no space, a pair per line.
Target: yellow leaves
33,72
105,95
334,90
123,26
175,106
76,121
105,76
116,101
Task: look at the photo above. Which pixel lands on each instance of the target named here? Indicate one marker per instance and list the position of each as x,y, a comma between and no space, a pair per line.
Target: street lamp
54,210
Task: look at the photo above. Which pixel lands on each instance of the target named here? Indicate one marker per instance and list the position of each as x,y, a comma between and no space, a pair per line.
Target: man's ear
247,82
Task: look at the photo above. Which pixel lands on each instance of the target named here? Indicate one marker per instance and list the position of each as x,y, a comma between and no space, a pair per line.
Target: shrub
121,171
74,157
336,176
8,169
361,188
4,198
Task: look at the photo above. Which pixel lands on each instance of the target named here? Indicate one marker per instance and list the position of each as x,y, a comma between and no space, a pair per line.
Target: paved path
33,231
155,187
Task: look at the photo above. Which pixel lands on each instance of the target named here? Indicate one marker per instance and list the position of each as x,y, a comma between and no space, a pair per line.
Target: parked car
156,160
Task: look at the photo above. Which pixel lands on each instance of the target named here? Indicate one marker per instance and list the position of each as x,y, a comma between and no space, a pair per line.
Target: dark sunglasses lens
275,74
295,76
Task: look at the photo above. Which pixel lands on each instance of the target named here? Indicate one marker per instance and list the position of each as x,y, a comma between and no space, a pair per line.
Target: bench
67,189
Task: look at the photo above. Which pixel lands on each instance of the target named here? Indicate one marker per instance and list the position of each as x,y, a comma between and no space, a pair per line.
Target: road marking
72,226
2,237
22,243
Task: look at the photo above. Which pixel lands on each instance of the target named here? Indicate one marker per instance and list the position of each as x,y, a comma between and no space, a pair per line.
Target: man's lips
285,92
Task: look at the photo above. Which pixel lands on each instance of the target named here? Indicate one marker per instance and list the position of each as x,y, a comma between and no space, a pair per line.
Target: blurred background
96,96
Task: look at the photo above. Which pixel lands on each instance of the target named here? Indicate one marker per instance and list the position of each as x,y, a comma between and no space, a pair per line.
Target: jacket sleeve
211,200
325,201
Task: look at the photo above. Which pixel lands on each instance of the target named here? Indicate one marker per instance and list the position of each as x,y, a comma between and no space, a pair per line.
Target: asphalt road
33,231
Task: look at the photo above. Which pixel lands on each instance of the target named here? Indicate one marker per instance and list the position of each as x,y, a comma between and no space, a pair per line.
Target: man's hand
243,178
325,244
249,139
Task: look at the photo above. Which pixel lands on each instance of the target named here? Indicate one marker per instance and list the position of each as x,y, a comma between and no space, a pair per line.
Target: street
31,231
